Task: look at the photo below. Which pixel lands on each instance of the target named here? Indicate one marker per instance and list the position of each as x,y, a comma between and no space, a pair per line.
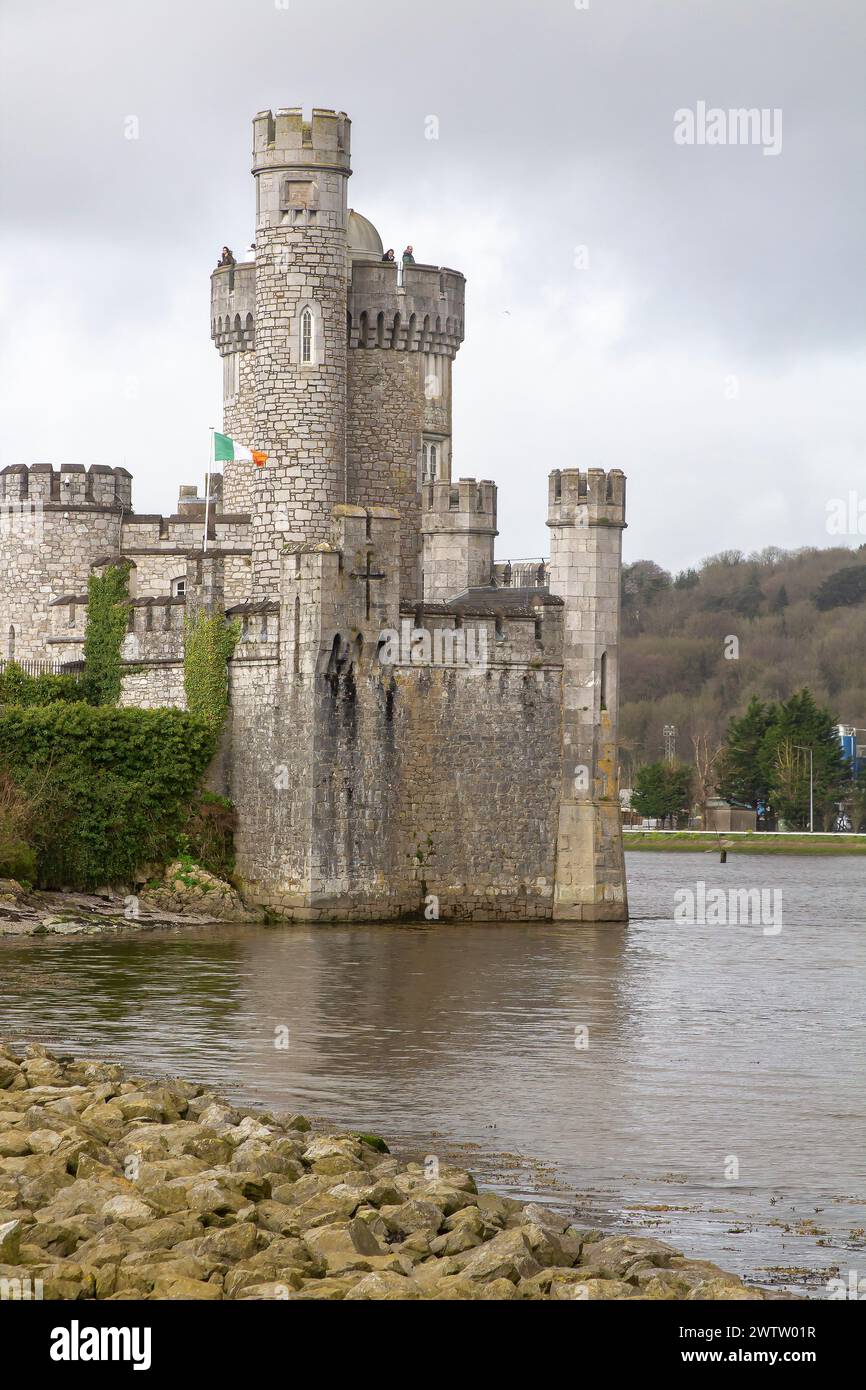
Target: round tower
53,524
301,168
405,327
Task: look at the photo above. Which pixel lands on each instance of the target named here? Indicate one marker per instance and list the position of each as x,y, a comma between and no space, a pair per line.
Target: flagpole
207,489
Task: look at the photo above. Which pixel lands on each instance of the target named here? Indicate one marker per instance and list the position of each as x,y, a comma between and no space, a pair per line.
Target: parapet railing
528,572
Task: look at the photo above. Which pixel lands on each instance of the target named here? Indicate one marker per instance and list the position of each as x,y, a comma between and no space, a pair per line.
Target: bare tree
706,755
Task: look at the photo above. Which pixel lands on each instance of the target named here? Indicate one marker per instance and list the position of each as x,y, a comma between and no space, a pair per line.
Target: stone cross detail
367,574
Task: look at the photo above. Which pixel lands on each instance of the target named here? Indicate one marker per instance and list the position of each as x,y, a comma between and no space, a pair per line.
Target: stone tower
405,327
54,523
458,523
336,362
586,517
301,169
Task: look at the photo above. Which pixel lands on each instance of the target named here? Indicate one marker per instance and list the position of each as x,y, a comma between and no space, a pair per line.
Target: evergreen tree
750,597
742,775
800,725
842,589
661,790
779,600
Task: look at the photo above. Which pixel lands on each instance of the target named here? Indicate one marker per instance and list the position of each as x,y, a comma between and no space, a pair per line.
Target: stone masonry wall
158,687
239,422
383,444
479,786
271,780
346,777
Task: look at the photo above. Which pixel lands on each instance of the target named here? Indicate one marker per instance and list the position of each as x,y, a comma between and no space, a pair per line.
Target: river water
703,1083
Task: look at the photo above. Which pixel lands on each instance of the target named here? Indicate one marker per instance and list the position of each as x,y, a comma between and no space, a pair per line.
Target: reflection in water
706,1044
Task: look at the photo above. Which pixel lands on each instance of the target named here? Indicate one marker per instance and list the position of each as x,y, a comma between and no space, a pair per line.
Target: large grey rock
506,1256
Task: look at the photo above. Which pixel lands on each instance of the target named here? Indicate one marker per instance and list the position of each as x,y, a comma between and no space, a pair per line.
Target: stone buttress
586,517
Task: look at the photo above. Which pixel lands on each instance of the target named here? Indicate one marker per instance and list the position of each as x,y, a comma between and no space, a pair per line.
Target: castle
414,730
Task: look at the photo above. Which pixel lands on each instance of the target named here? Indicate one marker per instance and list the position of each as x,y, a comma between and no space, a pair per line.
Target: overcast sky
713,346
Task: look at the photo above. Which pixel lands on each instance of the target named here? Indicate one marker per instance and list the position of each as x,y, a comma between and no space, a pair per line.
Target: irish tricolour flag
227,450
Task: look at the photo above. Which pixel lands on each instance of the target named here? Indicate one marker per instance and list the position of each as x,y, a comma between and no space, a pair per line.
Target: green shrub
114,786
208,834
17,856
17,688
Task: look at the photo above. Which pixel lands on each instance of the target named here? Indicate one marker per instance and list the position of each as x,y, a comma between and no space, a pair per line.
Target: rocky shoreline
114,1186
183,898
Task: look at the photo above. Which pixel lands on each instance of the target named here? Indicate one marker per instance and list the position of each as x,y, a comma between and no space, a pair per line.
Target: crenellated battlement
232,307
464,505
423,314
590,498
285,139
71,485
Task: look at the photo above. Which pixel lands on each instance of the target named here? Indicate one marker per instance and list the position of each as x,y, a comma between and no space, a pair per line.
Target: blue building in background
853,743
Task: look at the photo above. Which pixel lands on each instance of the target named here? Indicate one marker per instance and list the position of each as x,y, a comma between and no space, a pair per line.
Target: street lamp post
803,749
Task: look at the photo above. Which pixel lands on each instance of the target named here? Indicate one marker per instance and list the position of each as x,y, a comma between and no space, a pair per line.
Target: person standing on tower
408,258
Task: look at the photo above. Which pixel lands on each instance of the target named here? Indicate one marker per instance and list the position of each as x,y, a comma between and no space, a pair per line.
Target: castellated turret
279,323
404,332
458,522
335,361
586,516
54,522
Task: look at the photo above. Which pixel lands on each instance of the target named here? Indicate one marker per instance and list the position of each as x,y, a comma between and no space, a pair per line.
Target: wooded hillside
798,617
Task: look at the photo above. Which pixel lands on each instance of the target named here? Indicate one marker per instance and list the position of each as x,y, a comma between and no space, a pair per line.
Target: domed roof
365,243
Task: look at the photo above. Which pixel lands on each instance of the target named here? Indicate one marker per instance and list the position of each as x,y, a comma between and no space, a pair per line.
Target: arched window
306,336
424,473
10,644
433,461
604,680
